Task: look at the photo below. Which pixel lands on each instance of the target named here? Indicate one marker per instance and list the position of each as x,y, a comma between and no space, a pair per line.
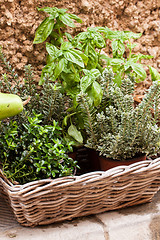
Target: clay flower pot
108,163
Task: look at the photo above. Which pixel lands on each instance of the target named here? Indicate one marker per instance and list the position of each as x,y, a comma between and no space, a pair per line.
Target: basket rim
90,177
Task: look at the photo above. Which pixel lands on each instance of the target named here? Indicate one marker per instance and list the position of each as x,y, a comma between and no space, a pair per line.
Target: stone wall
19,20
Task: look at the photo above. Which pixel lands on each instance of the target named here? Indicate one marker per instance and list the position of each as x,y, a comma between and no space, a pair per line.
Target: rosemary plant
48,100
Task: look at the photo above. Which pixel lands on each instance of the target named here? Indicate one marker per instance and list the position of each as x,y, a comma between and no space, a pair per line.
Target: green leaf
134,58
67,117
128,35
154,73
76,18
69,37
66,46
86,82
115,61
44,30
95,73
139,56
53,51
108,33
128,64
118,48
62,10
66,20
93,57
118,35
81,37
49,10
65,120
131,46
142,56
71,56
60,67
118,79
48,69
87,72
105,57
73,132
139,70
98,40
97,93
82,55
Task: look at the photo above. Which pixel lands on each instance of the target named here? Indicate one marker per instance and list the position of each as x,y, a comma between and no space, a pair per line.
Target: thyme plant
121,130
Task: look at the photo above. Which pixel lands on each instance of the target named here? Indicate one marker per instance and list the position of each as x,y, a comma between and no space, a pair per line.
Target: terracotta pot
108,163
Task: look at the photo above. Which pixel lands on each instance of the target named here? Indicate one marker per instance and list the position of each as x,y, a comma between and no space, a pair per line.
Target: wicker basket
48,201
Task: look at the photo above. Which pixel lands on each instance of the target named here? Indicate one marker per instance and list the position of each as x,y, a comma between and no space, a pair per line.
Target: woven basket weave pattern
53,200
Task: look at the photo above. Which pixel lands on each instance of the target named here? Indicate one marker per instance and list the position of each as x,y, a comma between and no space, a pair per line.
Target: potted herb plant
76,62
33,144
119,131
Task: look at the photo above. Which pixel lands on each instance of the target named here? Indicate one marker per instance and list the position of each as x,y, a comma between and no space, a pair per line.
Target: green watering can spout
10,105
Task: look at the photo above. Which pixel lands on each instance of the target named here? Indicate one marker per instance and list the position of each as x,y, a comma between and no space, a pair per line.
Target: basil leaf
62,10
44,30
66,20
69,37
53,51
105,57
81,37
118,79
86,72
99,40
154,73
82,55
128,64
128,35
95,72
97,93
93,57
134,58
114,35
86,81
73,132
118,48
49,10
66,46
141,56
71,56
73,16
139,70
59,68
115,61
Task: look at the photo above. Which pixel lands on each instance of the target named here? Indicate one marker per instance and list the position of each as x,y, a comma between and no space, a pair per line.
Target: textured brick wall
19,20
